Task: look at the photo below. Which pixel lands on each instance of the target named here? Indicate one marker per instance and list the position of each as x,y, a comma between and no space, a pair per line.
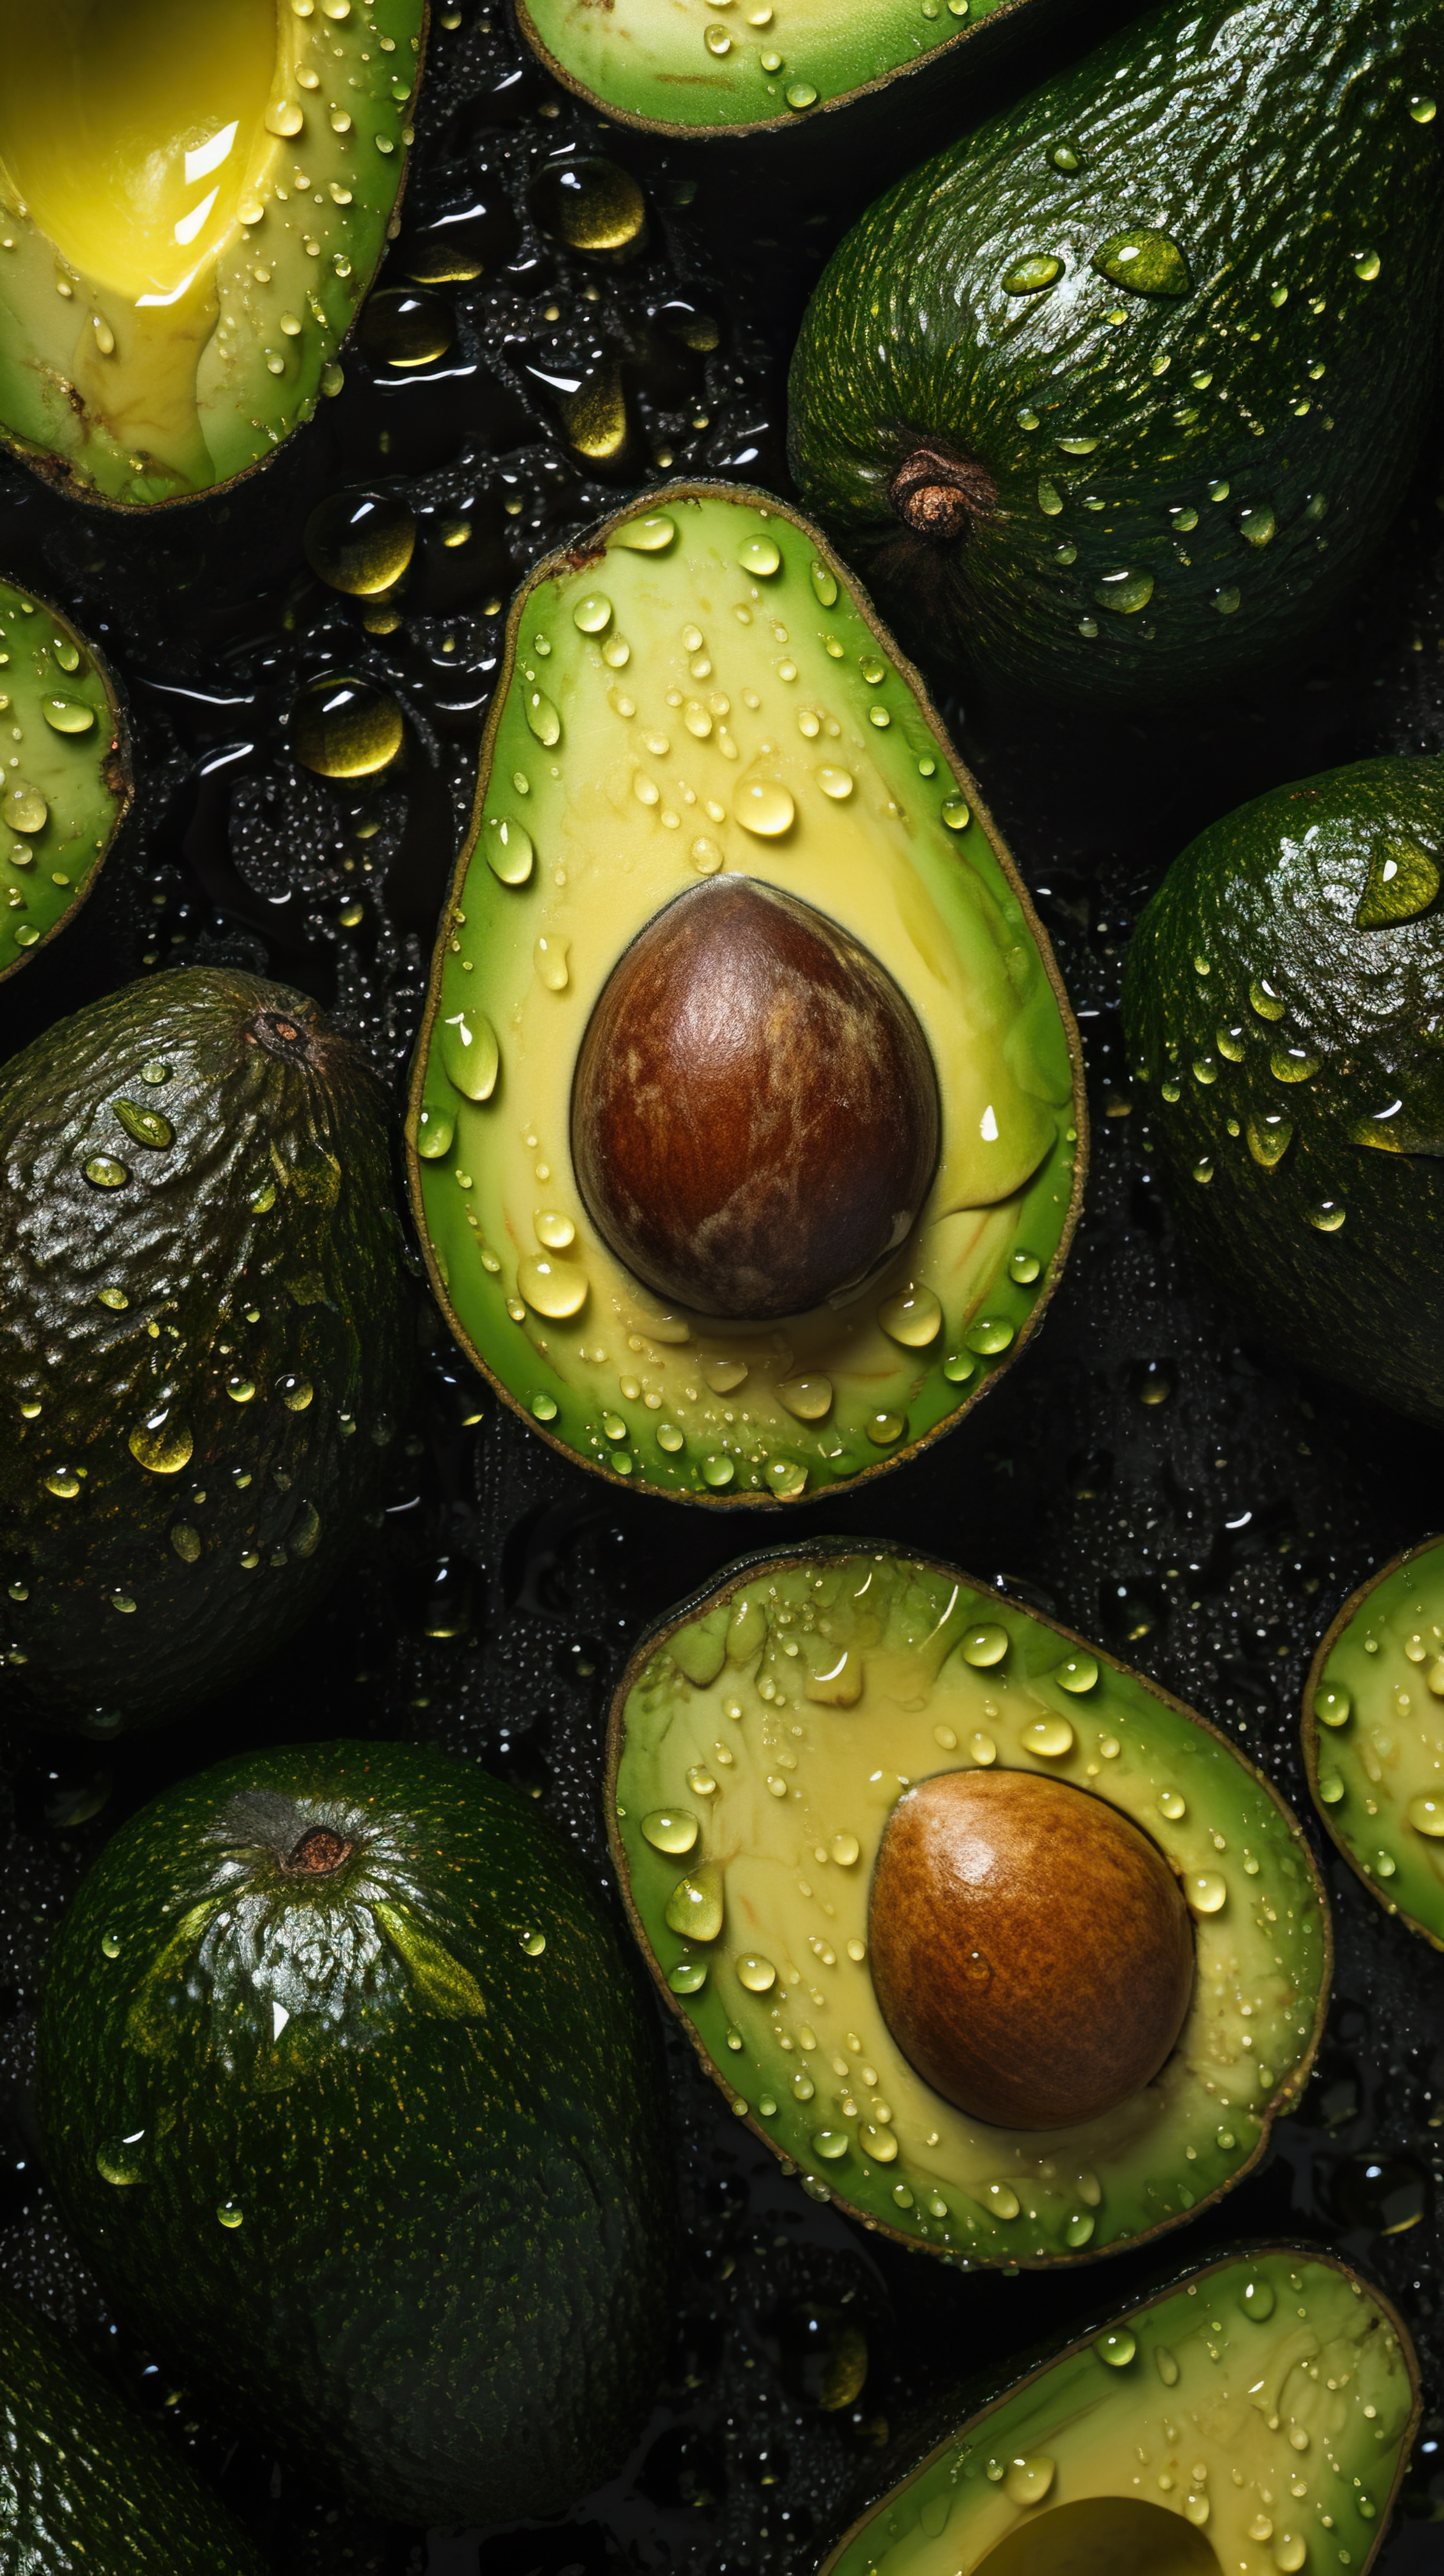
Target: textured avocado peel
696,702
209,192
204,1350
761,1737
376,2150
1373,1736
69,791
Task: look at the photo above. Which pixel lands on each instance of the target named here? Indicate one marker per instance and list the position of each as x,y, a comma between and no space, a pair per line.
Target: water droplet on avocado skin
1145,263
1403,882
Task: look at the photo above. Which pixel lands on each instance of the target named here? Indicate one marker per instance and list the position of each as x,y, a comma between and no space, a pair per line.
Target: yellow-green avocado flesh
1253,2419
760,1738
699,688
1374,1736
67,776
675,70
194,197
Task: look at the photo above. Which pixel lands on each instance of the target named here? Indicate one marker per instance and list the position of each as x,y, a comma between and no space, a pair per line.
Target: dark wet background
1152,1472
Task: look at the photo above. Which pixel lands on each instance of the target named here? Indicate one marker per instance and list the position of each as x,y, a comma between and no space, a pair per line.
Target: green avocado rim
1311,1742
116,768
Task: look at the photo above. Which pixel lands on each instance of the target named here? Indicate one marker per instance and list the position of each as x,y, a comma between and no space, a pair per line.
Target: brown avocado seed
754,1109
1031,1949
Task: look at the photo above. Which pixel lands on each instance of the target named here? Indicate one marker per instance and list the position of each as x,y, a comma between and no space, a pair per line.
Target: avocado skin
911,339
85,2484
1271,892
182,1241
448,2291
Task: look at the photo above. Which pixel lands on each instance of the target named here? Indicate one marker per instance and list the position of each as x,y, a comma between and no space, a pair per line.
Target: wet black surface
1151,1472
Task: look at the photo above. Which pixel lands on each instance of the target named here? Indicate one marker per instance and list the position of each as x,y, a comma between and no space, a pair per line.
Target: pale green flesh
191,207
840,1680
1265,2436
645,777
651,61
1387,1758
47,871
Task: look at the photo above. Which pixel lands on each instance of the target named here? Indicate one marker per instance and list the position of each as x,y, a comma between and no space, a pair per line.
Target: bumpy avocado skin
1271,2386
1294,1063
1174,483
401,2195
204,1347
85,2485
212,197
1374,1736
66,799
681,656
780,1712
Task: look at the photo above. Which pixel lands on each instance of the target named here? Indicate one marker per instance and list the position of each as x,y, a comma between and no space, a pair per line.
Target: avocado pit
754,1114
1031,1950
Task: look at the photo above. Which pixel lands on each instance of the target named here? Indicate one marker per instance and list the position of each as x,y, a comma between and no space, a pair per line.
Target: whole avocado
85,2485
204,1342
349,2095
1121,420
1281,1003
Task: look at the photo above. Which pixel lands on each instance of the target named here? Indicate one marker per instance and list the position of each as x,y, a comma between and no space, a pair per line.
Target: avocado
746,1116
648,63
1250,2418
1117,424
1374,1736
348,2094
908,1861
85,2485
192,205
204,1344
67,785
1280,1002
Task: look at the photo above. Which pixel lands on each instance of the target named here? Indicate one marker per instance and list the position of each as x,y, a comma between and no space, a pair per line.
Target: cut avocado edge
1031,1225
62,809
579,48
1148,2358
968,2228
1401,1865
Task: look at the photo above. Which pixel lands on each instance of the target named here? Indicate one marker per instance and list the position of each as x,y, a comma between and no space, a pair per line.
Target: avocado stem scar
317,1854
939,495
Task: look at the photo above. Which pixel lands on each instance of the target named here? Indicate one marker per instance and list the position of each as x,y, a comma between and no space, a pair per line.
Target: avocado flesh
580,836
809,1690
375,2151
67,777
208,188
1374,1736
203,1346
1181,457
649,63
1296,1086
1254,2418
84,2482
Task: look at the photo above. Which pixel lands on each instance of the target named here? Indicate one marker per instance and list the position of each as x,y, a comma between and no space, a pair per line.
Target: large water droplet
162,1444
345,728
760,555
67,715
806,1398
1032,275
1124,591
758,1975
765,808
1426,1814
913,1317
645,536
694,1907
1205,1892
25,810
144,1126
542,716
556,1289
1146,263
594,206
1333,1706
1050,1736
360,542
470,1054
104,1173
1403,882
1269,1137
404,326
986,1646
120,2160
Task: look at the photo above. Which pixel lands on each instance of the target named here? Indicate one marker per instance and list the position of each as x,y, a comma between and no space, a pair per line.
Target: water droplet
1293,1064
1331,1788
555,1231
405,326
1146,263
1117,2347
470,1054
877,2141
1426,1815
1333,1706
1024,1267
688,1977
1403,882
542,716
120,2161
1205,1891
144,1126
758,1975
1050,499
1366,265
1033,275
671,1829
1257,2298
110,1945
1124,591
991,1334
1077,446
104,1173
549,957
646,536
1165,2365
67,715
510,852
1269,1137
161,1444
831,2145
984,1647
360,542
533,1943
1195,2506
1051,1736
824,584
958,1367
913,1317
25,810
800,95
786,1476
706,856
1257,525
1078,1674
1422,110
186,1542
230,2214
1327,1216
1227,600
807,1398
765,808
345,728
239,1387
593,206
983,1750
296,1393
718,1471
556,1289
694,1907
760,555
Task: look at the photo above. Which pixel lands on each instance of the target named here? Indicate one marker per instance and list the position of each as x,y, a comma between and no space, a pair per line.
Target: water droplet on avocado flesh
806,1829
61,812
884,921
1377,1772
152,165
1315,911
1047,2481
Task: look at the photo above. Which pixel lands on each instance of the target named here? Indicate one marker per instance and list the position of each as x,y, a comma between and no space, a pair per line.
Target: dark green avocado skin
200,1361
1249,428
1320,1207
402,2196
86,2488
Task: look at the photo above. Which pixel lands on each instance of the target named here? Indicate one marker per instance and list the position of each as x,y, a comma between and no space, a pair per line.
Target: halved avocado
747,1111
66,785
1251,2418
193,200
768,1741
1374,1736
